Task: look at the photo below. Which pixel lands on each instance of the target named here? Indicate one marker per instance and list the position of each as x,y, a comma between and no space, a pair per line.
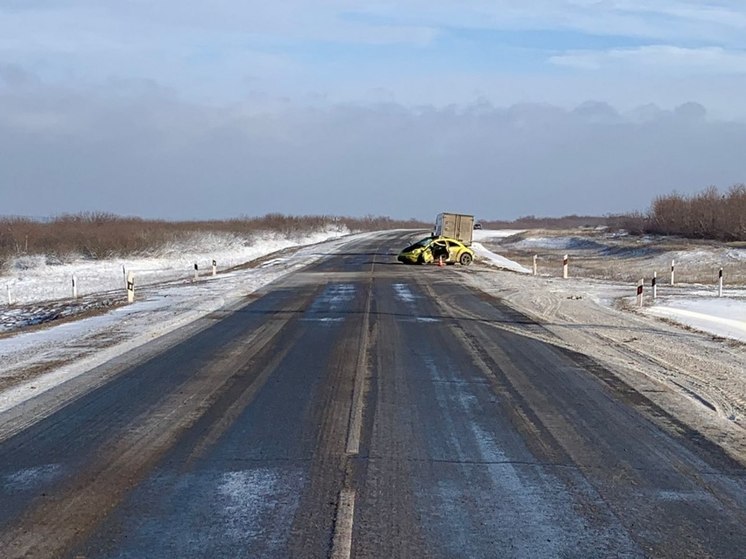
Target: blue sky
220,51
181,66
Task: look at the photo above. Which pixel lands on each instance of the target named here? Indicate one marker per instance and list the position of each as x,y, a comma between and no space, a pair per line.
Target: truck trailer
456,226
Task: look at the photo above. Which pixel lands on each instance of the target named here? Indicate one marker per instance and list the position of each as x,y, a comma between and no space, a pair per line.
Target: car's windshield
419,244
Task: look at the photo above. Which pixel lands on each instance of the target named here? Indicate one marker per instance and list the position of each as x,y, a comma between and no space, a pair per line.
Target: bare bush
99,235
635,223
706,215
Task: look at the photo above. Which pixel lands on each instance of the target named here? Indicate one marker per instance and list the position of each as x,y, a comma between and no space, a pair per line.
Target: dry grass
103,235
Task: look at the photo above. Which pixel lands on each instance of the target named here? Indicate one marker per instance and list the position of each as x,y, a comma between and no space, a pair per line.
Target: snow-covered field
33,279
593,311
167,297
616,257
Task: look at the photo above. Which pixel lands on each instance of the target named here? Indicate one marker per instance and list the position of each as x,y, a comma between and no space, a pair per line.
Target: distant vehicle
477,226
429,249
454,226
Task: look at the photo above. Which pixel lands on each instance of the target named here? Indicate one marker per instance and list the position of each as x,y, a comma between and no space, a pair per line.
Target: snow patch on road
29,478
246,494
403,293
334,298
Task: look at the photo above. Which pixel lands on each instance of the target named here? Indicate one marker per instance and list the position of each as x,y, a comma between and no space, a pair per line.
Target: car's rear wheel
421,259
465,259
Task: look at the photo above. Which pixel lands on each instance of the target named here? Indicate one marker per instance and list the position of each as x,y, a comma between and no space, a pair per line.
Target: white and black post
196,272
75,287
720,283
124,276
655,285
536,265
565,266
639,292
214,268
130,287
10,297
673,280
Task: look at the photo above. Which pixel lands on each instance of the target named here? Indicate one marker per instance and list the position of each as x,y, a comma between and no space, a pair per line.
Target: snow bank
723,317
558,243
486,234
489,257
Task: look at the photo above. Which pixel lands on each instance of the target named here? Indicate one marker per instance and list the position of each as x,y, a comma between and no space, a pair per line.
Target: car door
440,248
454,249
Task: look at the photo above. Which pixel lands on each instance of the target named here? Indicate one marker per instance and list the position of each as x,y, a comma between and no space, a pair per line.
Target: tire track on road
57,521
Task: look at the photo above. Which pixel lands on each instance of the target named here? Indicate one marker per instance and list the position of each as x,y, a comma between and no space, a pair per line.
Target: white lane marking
342,541
355,427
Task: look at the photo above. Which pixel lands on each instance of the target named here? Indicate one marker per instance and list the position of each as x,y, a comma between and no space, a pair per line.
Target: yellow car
430,249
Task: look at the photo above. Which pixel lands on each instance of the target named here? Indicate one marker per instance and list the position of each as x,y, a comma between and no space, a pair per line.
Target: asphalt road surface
361,408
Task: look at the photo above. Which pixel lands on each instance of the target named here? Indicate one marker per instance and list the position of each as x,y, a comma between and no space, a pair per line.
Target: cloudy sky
503,108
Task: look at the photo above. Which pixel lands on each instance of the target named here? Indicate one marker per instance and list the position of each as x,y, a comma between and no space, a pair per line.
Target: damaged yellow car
430,249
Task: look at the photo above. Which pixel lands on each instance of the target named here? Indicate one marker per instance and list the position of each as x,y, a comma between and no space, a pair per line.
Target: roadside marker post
672,272
655,285
124,276
130,287
536,266
565,266
214,268
10,297
720,283
75,287
639,292
196,272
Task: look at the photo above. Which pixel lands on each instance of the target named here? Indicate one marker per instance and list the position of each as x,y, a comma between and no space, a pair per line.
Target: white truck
456,226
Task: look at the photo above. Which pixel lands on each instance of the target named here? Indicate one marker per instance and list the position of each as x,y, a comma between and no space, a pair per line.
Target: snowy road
361,408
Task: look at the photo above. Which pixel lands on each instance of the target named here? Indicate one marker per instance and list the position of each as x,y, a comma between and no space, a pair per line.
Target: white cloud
658,58
228,51
145,152
658,20
415,21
